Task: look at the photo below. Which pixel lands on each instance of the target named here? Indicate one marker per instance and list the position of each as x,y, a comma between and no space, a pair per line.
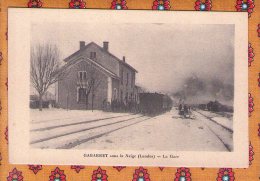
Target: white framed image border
19,22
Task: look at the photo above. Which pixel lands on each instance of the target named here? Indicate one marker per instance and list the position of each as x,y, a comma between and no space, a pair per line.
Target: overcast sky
164,54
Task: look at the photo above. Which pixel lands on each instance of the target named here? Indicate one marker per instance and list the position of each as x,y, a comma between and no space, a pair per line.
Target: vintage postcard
150,88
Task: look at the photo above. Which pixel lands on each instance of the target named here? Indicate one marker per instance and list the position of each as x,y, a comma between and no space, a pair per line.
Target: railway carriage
154,103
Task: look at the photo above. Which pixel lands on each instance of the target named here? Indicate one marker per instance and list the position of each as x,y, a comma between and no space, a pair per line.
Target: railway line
223,133
70,135
133,131
76,123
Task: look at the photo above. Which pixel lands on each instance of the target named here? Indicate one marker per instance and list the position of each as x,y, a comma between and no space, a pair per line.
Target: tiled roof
102,68
104,51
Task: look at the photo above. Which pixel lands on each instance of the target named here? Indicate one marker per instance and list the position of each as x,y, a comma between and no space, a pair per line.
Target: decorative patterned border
118,4
38,172
57,175
203,6
77,4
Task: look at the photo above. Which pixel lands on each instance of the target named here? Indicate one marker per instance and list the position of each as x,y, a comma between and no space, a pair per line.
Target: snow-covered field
81,129
226,121
49,116
56,117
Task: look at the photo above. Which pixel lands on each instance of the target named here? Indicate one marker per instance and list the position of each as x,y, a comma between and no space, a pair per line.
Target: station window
82,75
127,78
93,55
122,76
115,94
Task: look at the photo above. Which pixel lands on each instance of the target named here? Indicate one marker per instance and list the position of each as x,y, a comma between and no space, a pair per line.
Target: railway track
68,118
72,145
77,123
224,134
228,129
70,135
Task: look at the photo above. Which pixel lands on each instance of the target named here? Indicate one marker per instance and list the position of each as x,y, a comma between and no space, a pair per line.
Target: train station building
94,77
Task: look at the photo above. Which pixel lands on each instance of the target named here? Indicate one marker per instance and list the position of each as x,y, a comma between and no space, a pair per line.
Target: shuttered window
82,75
93,55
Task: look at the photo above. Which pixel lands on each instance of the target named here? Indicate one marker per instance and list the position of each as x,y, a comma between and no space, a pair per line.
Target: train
154,103
215,106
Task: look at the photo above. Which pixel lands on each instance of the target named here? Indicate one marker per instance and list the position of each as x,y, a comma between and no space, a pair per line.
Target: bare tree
89,82
45,68
95,84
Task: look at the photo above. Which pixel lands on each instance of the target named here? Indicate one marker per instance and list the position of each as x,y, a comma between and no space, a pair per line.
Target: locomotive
154,103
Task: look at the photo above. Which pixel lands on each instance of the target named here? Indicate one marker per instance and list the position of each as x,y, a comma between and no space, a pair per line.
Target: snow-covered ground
54,117
53,114
226,121
165,132
103,130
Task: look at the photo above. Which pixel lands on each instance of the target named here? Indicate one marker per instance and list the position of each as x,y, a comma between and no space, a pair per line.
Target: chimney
105,45
123,58
81,44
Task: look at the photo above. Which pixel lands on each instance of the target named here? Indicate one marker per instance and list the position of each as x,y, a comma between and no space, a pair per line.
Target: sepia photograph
129,86
167,88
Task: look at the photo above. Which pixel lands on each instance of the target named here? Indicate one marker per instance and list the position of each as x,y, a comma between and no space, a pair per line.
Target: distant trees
45,68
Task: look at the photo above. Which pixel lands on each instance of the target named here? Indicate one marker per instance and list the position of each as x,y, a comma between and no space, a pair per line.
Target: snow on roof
75,61
104,51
